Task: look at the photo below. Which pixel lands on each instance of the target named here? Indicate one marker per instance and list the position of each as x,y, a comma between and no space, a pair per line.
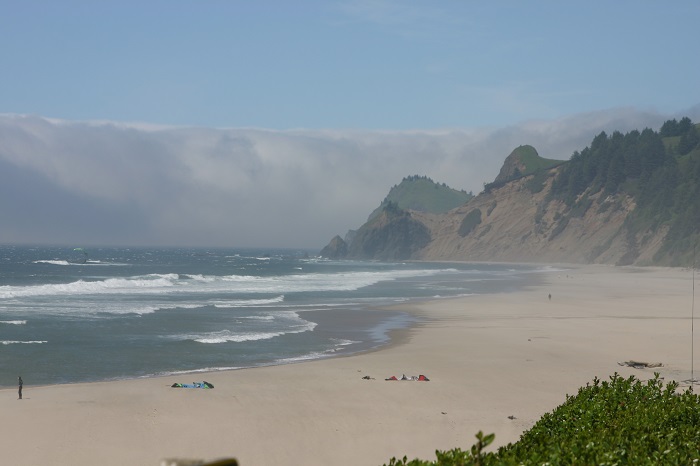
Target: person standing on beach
20,383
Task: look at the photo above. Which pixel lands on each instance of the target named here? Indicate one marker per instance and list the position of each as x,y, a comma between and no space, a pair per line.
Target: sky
277,123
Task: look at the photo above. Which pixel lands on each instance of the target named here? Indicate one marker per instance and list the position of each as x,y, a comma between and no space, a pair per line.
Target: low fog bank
110,183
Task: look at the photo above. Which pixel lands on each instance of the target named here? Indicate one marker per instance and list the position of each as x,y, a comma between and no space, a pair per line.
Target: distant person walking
20,383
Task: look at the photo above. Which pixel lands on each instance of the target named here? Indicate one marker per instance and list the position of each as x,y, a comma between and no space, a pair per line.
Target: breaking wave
30,342
175,283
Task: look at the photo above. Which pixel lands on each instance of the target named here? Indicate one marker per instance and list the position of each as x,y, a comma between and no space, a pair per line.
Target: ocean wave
15,342
339,345
87,262
193,371
103,263
200,277
13,322
303,357
247,302
318,282
155,283
290,322
222,304
52,262
175,283
225,336
101,308
130,308
265,317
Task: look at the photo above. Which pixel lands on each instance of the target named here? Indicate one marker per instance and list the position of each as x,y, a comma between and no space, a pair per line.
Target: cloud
93,183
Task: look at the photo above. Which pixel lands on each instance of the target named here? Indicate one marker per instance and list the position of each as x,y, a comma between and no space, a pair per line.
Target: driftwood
190,462
640,365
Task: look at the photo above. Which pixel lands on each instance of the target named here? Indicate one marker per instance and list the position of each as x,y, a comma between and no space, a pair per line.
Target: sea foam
30,342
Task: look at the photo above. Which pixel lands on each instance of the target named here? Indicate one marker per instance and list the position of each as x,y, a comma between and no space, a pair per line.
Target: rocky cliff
507,224
336,249
394,234
626,199
516,225
514,165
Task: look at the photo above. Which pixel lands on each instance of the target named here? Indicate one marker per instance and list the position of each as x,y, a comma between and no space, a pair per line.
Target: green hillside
523,161
644,185
532,161
423,194
659,170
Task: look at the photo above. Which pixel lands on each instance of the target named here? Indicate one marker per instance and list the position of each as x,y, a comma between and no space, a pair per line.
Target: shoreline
366,328
487,356
393,335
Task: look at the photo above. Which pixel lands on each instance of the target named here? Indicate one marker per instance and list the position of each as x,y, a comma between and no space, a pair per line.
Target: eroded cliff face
513,222
512,167
516,225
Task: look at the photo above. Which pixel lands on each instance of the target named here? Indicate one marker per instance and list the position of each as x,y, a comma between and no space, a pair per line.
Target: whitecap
29,342
155,283
226,336
247,302
267,317
52,262
294,324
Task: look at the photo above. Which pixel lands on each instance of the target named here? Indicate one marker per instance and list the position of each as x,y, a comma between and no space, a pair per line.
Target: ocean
72,315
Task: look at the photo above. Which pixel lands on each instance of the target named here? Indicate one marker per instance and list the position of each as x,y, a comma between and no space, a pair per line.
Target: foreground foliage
623,421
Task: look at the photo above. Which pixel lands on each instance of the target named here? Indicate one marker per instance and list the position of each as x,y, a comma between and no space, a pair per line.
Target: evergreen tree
684,126
651,152
689,140
665,187
669,129
616,174
633,165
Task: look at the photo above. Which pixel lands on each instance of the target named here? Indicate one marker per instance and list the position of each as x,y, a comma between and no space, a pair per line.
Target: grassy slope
424,195
532,161
427,196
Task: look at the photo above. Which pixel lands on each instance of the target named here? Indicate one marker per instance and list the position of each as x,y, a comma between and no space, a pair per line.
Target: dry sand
489,358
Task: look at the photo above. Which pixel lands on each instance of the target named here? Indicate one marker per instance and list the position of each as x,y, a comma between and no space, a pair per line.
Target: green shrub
471,221
562,222
620,422
491,207
536,183
581,207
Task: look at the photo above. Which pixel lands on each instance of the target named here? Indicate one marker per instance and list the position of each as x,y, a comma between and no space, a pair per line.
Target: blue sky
345,64
283,123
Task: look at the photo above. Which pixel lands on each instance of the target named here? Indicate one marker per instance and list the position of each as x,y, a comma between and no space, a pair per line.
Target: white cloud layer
102,183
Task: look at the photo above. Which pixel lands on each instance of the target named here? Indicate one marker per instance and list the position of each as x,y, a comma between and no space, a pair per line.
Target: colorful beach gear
203,384
420,378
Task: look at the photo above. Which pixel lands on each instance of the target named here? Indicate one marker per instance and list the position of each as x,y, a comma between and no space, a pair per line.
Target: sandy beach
496,363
